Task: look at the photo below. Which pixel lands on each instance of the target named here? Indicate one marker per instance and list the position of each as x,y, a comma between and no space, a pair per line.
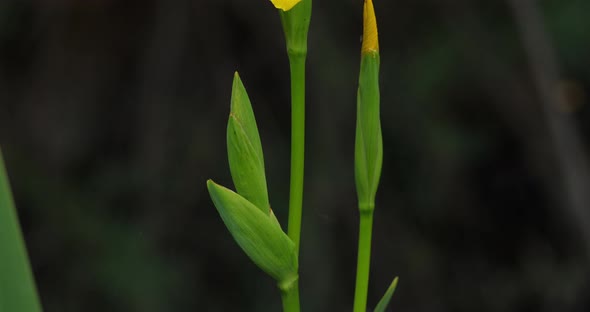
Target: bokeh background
113,115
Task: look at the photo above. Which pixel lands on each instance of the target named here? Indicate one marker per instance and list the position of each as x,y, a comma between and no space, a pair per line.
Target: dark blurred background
113,115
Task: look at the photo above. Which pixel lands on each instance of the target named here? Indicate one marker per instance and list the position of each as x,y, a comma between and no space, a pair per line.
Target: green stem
297,63
290,297
364,261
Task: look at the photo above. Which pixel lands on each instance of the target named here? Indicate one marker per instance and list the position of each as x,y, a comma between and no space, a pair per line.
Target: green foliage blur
113,116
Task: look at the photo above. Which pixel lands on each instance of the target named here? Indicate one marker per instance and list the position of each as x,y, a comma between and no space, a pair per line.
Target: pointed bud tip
237,90
237,77
212,186
284,5
370,35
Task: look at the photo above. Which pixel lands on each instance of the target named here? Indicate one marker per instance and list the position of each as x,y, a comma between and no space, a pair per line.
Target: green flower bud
258,235
246,161
369,143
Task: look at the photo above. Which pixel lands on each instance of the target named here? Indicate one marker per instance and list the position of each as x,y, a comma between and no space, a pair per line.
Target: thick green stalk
364,261
290,297
296,25
297,64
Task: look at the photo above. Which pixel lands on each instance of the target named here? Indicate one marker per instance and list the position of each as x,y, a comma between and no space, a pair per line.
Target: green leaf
274,219
382,305
369,142
244,149
260,237
17,287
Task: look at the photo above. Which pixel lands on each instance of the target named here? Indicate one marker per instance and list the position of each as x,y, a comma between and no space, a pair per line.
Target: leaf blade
259,237
17,286
384,302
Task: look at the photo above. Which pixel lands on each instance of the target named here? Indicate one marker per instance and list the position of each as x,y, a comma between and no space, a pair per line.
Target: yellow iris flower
370,37
285,5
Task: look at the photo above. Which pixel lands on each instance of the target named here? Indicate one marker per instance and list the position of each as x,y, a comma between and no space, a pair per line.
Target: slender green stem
290,297
364,261
297,63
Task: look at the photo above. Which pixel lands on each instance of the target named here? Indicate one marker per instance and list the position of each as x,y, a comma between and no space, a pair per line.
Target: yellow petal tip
370,35
285,5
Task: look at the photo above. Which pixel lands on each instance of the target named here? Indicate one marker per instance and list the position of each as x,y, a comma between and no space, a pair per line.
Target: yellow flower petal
285,5
370,36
